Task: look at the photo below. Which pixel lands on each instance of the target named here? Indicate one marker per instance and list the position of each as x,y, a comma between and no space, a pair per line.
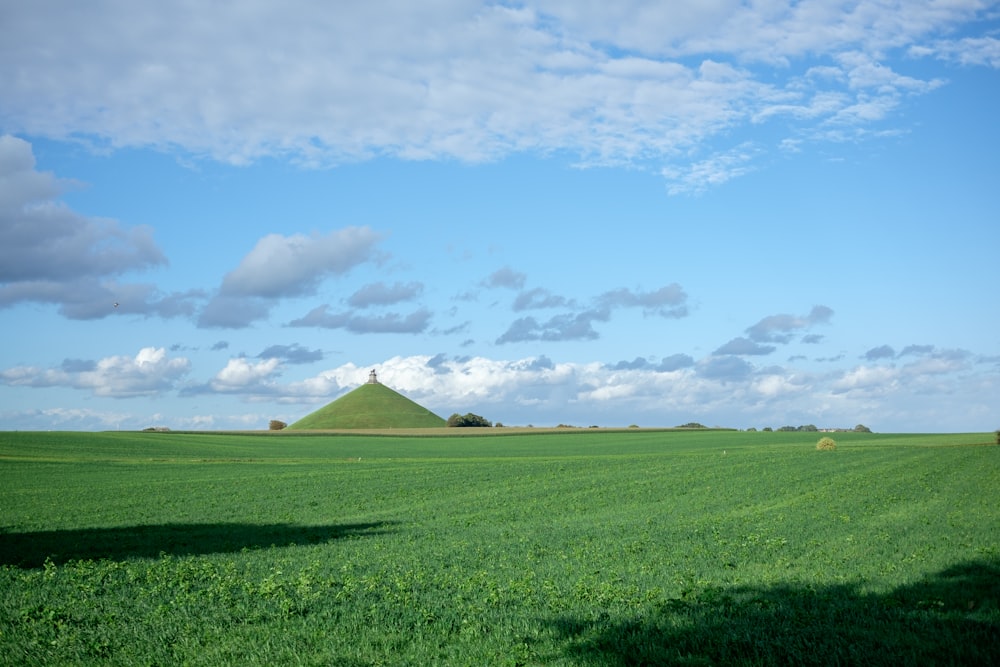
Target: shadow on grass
951,618
31,550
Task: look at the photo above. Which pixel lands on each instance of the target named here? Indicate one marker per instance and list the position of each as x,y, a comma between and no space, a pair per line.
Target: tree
861,428
468,419
276,425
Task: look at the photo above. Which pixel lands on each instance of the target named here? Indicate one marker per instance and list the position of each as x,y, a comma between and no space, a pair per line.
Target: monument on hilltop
371,405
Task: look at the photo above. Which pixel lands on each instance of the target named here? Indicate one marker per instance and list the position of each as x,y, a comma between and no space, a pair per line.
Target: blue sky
744,214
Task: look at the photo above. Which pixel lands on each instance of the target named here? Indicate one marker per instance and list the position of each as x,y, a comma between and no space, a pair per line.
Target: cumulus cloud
242,375
506,277
966,51
539,298
916,350
668,302
51,254
639,363
714,390
380,294
919,352
321,317
148,373
292,354
640,82
572,326
867,379
781,328
698,177
674,362
42,240
724,368
744,346
415,322
880,352
281,267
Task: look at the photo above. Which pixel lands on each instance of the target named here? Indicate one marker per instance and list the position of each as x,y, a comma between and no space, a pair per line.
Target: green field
579,547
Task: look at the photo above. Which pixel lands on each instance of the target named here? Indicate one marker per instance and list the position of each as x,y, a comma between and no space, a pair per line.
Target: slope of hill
370,406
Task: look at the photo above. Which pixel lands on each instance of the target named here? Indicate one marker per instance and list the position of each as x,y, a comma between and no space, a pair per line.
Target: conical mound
370,406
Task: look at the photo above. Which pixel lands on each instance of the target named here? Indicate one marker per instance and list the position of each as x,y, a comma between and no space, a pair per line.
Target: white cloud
280,267
928,394
77,419
967,51
380,294
744,346
610,83
776,386
41,240
780,328
51,254
395,323
697,177
148,373
867,379
293,265
241,374
506,277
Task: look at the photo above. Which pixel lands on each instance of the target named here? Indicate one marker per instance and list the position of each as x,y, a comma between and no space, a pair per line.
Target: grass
577,547
370,406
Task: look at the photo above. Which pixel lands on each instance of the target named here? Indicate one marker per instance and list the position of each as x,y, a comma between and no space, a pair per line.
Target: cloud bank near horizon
536,390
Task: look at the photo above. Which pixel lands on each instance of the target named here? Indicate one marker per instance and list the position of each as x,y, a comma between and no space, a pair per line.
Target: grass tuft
826,444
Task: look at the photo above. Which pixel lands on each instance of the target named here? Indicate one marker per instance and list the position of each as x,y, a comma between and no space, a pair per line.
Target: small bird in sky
116,304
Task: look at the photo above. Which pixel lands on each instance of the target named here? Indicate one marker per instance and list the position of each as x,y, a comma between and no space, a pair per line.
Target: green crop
571,547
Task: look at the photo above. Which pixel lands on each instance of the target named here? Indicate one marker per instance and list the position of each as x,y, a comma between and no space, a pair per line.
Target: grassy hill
370,406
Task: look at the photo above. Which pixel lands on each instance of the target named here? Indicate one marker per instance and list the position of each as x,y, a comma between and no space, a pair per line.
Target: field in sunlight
575,547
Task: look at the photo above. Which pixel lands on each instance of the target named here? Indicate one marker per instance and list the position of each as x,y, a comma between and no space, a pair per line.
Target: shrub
276,425
826,445
468,419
